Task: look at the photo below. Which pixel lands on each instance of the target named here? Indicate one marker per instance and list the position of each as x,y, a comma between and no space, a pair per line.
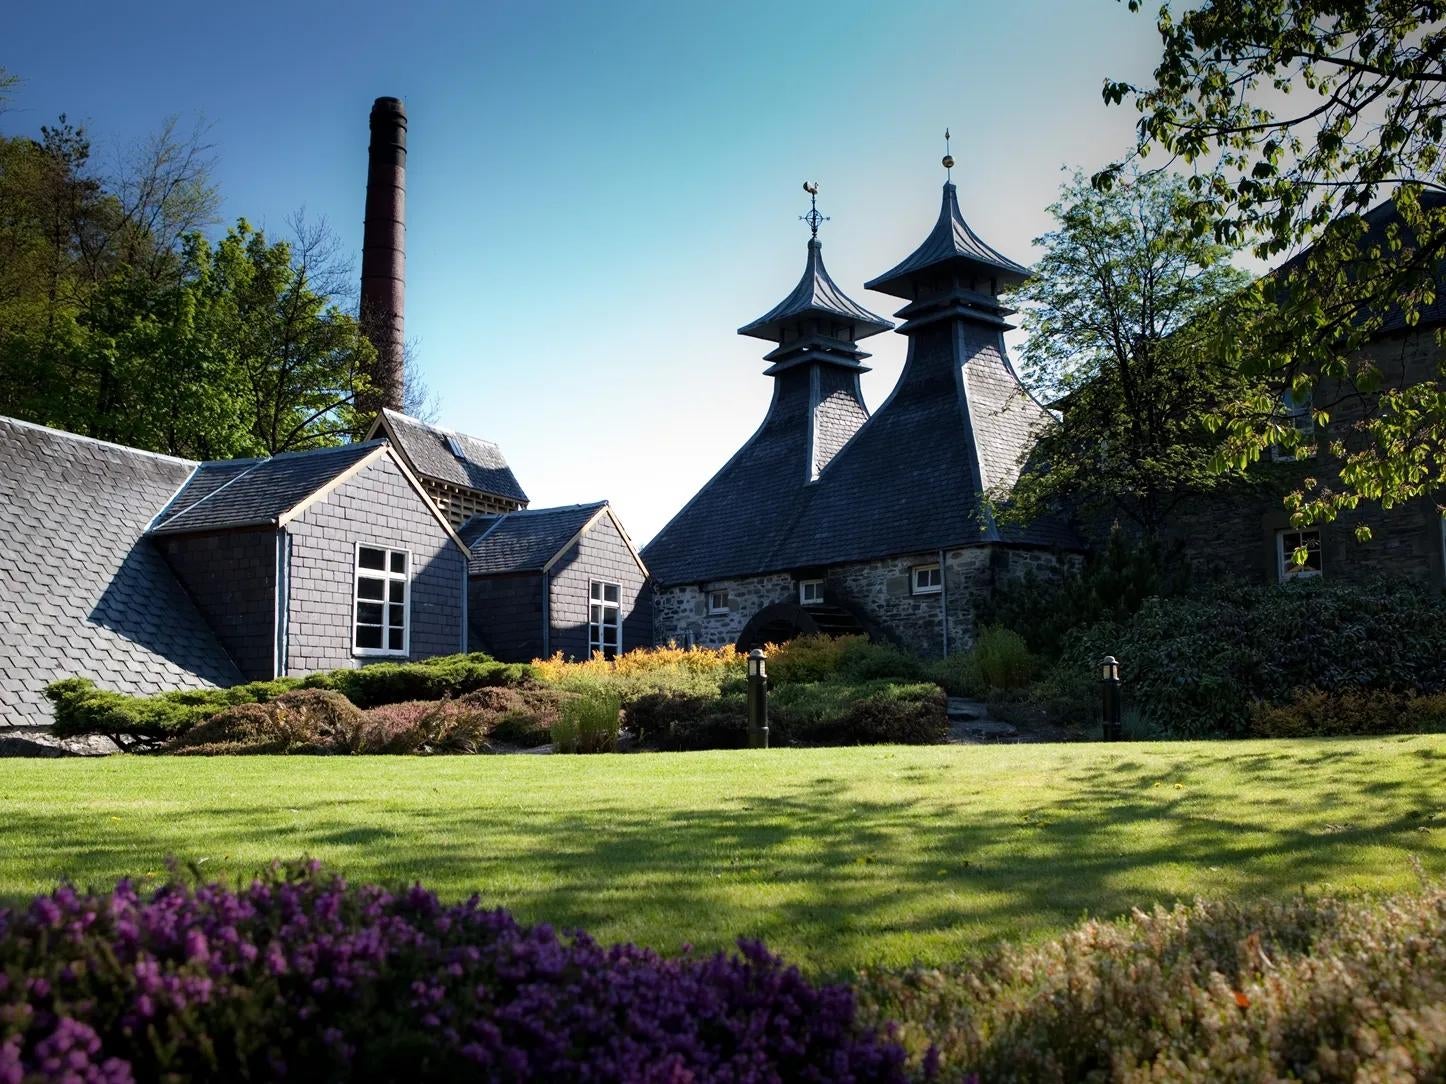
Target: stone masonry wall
879,593
378,508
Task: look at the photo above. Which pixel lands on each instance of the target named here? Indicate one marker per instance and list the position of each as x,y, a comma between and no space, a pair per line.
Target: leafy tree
1298,116
1114,312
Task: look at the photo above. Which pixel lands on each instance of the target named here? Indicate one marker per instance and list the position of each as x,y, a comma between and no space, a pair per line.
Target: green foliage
843,658
1364,120
680,722
1000,659
430,679
1111,312
82,708
302,721
588,722
1313,713
875,712
1111,586
1194,666
1302,989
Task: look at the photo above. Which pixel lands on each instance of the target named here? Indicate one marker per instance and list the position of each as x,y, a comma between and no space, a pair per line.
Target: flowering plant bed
301,976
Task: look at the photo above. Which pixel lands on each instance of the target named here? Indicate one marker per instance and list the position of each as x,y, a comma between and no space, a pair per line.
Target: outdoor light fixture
757,700
1110,698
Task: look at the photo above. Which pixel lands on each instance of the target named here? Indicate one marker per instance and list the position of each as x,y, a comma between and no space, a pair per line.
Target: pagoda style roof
816,296
950,241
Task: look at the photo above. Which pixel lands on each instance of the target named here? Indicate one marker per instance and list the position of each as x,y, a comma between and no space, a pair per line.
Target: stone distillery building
832,520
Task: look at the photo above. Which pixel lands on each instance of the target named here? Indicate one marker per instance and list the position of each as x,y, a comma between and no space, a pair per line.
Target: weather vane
813,218
948,158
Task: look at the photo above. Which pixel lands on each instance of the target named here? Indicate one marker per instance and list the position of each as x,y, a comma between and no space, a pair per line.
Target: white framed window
1297,415
810,592
717,602
381,602
605,619
1287,542
927,579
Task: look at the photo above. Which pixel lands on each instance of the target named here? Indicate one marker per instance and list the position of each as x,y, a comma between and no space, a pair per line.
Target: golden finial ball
948,161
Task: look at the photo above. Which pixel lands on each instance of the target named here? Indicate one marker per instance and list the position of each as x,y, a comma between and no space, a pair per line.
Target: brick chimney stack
384,247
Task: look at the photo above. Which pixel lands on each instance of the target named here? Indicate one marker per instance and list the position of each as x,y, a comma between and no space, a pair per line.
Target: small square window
928,579
717,602
1288,544
810,592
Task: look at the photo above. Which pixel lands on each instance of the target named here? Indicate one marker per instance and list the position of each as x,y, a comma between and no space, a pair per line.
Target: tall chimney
384,247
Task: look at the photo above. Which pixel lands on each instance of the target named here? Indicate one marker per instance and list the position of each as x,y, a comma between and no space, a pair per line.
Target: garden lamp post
1110,697
757,700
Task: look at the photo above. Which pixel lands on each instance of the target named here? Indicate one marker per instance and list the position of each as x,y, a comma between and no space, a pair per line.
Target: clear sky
600,193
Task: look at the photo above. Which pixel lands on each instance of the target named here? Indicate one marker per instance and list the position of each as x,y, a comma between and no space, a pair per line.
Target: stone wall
378,507
879,593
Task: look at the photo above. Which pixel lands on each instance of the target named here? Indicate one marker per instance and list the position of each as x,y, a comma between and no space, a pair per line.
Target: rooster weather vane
813,218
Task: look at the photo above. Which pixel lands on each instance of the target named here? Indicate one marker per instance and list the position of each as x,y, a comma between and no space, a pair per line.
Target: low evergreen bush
999,660
430,679
877,712
680,722
1313,713
1195,666
301,721
300,976
1326,990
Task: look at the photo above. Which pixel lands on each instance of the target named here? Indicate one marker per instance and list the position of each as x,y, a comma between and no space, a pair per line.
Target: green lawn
837,857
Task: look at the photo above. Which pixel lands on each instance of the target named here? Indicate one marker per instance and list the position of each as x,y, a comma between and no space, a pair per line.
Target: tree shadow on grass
834,877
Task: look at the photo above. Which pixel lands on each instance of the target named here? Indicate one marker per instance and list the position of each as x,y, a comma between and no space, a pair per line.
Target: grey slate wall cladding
505,616
601,554
838,415
231,576
82,591
377,507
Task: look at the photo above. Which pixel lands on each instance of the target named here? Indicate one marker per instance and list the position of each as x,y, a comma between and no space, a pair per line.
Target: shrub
588,722
1194,666
300,976
681,722
999,659
1306,989
834,713
82,708
302,721
425,726
521,715
685,671
806,659
1314,713
431,679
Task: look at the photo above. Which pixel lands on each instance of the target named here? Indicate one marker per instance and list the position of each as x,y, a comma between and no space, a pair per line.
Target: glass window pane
595,614
396,616
596,591
399,562
610,592
369,613
366,587
368,636
398,591
394,639
372,558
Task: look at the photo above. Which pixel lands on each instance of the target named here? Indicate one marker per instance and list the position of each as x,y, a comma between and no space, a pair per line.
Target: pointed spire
951,242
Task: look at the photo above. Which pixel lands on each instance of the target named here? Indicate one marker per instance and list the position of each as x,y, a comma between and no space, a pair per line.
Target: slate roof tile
525,540
427,450
85,592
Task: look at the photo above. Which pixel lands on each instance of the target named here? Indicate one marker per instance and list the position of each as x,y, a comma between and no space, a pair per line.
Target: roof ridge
96,440
331,448
440,428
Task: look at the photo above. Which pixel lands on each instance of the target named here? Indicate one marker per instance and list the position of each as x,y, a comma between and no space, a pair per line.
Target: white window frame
810,592
595,629
388,577
1301,415
714,606
1285,572
934,588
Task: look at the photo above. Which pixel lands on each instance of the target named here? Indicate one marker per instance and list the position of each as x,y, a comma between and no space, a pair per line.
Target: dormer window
810,592
455,446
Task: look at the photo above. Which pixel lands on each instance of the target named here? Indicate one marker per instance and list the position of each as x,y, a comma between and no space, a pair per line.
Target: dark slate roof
85,593
816,295
245,493
1377,220
950,240
427,450
525,540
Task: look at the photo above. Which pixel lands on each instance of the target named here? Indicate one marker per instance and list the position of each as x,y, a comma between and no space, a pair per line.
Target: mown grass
839,858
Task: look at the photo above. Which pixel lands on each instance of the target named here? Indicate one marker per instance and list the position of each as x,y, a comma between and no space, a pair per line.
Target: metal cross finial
948,158
813,218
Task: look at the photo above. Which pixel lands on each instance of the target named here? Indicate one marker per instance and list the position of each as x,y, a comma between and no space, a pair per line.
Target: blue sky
600,194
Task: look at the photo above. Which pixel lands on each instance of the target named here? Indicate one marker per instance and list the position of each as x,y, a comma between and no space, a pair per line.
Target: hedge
82,708
300,976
